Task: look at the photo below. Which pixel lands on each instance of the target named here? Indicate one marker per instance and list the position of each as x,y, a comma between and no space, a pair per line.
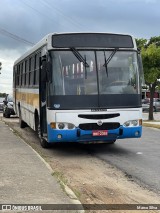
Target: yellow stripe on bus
28,98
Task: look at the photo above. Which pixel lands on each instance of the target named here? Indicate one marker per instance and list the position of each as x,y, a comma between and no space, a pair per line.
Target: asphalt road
139,159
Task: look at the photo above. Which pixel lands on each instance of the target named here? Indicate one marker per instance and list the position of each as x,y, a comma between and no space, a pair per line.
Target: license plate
99,132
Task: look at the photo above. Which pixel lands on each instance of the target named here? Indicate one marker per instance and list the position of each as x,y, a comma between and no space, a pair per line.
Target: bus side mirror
49,72
5,102
142,80
46,71
43,71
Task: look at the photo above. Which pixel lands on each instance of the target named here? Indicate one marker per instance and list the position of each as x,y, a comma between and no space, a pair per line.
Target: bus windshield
91,72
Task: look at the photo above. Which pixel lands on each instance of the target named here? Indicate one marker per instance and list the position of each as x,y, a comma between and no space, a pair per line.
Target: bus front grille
95,126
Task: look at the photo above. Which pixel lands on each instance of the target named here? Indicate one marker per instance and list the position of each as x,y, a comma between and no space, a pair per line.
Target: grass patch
61,179
60,176
77,193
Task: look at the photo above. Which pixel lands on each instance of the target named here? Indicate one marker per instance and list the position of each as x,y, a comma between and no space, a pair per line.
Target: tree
151,64
3,94
154,40
141,42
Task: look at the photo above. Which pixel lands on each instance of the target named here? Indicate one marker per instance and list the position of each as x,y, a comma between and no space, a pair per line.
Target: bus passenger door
42,95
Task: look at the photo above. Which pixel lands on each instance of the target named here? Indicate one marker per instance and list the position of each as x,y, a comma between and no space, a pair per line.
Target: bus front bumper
78,135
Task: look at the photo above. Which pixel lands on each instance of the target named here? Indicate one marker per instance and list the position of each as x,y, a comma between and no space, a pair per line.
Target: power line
15,37
50,18
37,11
75,23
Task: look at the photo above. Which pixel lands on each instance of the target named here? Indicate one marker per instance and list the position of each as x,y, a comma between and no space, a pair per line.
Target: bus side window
24,65
18,75
25,75
29,72
21,73
37,68
32,71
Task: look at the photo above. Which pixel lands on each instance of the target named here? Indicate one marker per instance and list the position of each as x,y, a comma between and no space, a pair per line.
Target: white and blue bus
80,87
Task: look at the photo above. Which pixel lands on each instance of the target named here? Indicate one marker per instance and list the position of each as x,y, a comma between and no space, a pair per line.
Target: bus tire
43,142
22,124
6,114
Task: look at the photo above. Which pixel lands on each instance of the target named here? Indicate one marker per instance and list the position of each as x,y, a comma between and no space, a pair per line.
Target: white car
8,106
156,104
1,103
146,104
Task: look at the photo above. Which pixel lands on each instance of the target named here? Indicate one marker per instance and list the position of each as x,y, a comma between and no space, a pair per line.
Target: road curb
151,124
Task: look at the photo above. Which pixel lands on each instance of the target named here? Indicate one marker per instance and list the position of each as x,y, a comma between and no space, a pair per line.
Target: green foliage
141,42
144,43
150,51
155,40
151,63
3,95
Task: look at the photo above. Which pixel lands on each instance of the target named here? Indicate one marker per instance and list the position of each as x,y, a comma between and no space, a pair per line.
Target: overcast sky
33,19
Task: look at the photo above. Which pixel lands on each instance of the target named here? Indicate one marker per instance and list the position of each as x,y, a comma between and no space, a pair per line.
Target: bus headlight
65,126
131,123
61,125
127,123
135,122
70,126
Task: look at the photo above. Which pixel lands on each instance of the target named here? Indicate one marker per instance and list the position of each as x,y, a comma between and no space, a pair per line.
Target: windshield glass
122,73
88,73
9,98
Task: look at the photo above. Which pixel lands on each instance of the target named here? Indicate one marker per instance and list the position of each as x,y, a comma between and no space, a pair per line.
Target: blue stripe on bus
86,136
131,132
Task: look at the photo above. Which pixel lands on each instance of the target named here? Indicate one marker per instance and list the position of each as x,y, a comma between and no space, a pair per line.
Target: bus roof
35,48
68,40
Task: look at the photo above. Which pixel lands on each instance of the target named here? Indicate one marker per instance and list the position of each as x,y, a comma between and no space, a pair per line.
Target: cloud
32,20
7,57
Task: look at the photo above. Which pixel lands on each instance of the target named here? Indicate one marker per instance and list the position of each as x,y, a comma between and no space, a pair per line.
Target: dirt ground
91,179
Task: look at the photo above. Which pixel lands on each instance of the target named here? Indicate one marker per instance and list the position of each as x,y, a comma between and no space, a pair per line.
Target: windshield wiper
107,60
81,59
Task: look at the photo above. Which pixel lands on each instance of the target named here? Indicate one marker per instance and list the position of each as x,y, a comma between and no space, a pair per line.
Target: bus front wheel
21,122
43,142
